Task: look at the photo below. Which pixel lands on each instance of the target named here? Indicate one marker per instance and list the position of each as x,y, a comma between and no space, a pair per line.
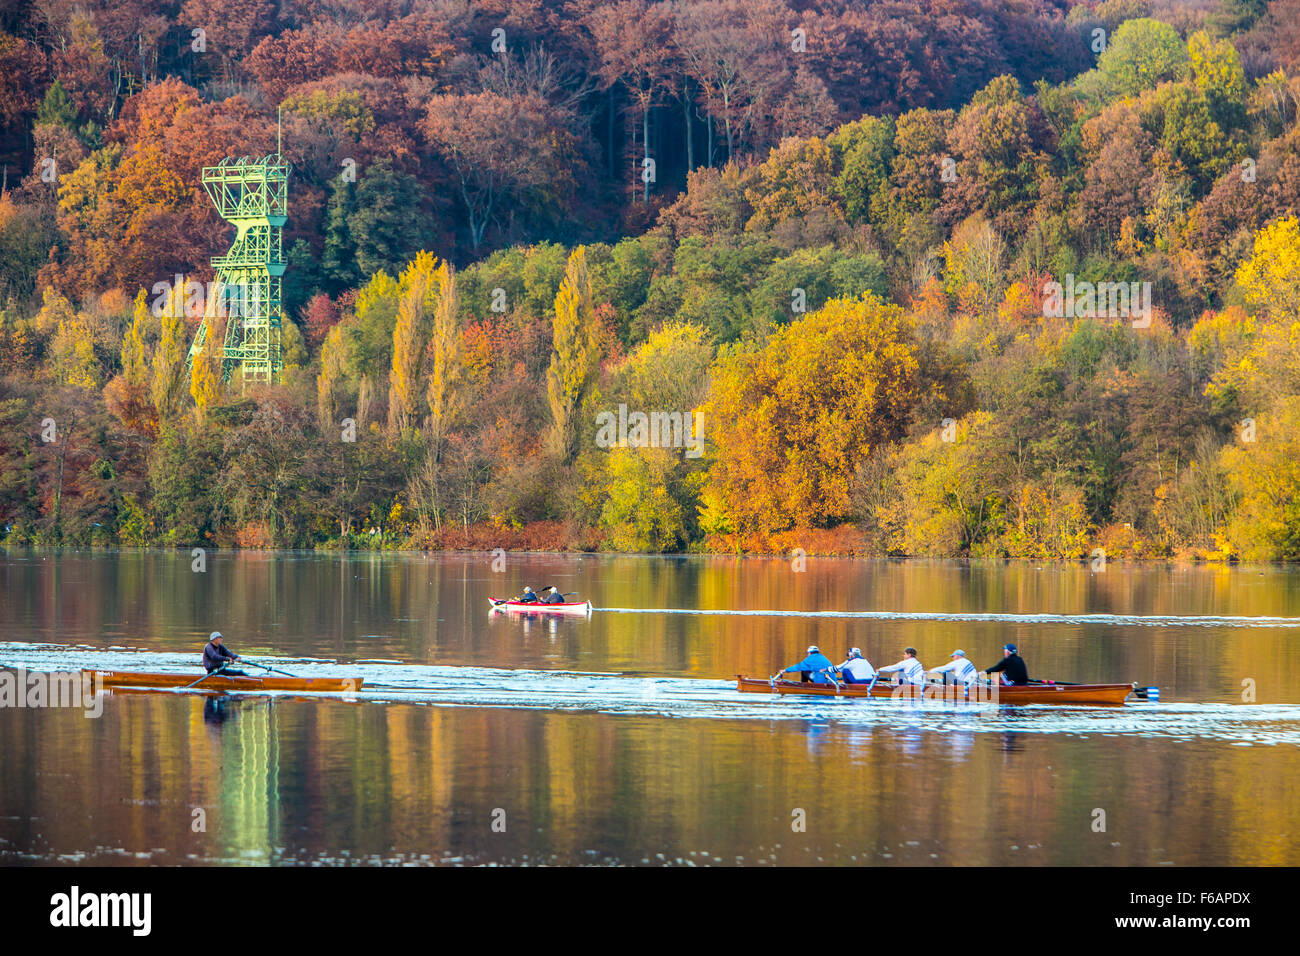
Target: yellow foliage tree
205,374
575,358
445,395
1271,276
169,356
72,346
1264,476
333,353
798,177
411,338
135,362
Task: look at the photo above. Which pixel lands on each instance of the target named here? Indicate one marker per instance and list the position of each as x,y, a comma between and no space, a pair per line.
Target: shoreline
1173,561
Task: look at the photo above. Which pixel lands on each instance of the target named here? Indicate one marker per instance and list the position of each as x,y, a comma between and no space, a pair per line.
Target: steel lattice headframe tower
253,194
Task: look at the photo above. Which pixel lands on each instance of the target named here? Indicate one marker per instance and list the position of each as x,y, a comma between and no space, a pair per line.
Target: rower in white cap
857,669
961,670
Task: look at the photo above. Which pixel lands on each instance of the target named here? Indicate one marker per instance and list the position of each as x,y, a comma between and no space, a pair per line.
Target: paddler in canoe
909,669
552,595
814,668
528,597
216,655
1012,667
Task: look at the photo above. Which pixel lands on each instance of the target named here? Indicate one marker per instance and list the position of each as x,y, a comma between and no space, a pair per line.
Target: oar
265,668
206,676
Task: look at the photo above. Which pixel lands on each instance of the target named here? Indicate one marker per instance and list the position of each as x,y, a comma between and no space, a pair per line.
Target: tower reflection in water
245,735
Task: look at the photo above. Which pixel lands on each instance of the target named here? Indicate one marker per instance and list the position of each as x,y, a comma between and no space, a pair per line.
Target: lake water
621,738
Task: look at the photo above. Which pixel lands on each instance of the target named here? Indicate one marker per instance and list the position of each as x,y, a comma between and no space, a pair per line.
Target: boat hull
251,684
574,607
1087,694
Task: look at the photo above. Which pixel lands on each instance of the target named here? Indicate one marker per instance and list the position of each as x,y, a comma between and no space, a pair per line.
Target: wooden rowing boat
569,607
224,683
1102,694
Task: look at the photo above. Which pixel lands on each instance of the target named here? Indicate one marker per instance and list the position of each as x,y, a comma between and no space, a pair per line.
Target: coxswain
815,667
528,597
1012,666
216,655
909,669
961,670
857,669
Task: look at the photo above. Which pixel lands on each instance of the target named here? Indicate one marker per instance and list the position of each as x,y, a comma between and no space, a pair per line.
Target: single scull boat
223,682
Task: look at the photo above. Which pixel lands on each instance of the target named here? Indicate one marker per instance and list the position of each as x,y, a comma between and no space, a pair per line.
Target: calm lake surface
621,738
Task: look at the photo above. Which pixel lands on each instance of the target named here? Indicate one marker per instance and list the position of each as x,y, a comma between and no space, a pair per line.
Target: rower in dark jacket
216,654
1012,666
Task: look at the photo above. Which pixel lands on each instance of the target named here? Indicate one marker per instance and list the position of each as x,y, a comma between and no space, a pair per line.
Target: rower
1012,666
528,597
215,655
553,596
857,669
959,668
909,669
815,667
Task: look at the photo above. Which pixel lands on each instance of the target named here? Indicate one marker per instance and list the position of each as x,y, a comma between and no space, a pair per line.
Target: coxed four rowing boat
977,693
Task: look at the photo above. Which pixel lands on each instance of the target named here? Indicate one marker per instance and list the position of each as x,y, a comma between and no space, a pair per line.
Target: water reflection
670,765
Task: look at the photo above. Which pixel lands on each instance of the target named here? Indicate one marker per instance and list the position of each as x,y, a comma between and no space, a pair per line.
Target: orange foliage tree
791,422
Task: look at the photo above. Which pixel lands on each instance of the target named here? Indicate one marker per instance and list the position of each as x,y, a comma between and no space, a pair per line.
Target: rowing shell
569,607
977,693
224,683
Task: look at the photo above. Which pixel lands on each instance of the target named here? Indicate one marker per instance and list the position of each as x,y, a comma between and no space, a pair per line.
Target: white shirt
962,669
912,671
859,668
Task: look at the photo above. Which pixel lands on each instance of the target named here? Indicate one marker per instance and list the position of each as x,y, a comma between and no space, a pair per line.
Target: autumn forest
987,278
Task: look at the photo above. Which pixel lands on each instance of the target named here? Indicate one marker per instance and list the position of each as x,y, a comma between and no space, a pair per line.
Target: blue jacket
818,664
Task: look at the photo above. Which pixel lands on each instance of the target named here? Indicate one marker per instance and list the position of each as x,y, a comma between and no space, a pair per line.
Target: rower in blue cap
1012,666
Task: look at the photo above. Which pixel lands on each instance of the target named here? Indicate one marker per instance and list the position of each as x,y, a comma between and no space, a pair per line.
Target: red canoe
571,607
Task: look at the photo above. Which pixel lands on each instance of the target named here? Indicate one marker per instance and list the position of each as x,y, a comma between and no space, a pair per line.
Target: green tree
57,108
387,224
1142,54
641,513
